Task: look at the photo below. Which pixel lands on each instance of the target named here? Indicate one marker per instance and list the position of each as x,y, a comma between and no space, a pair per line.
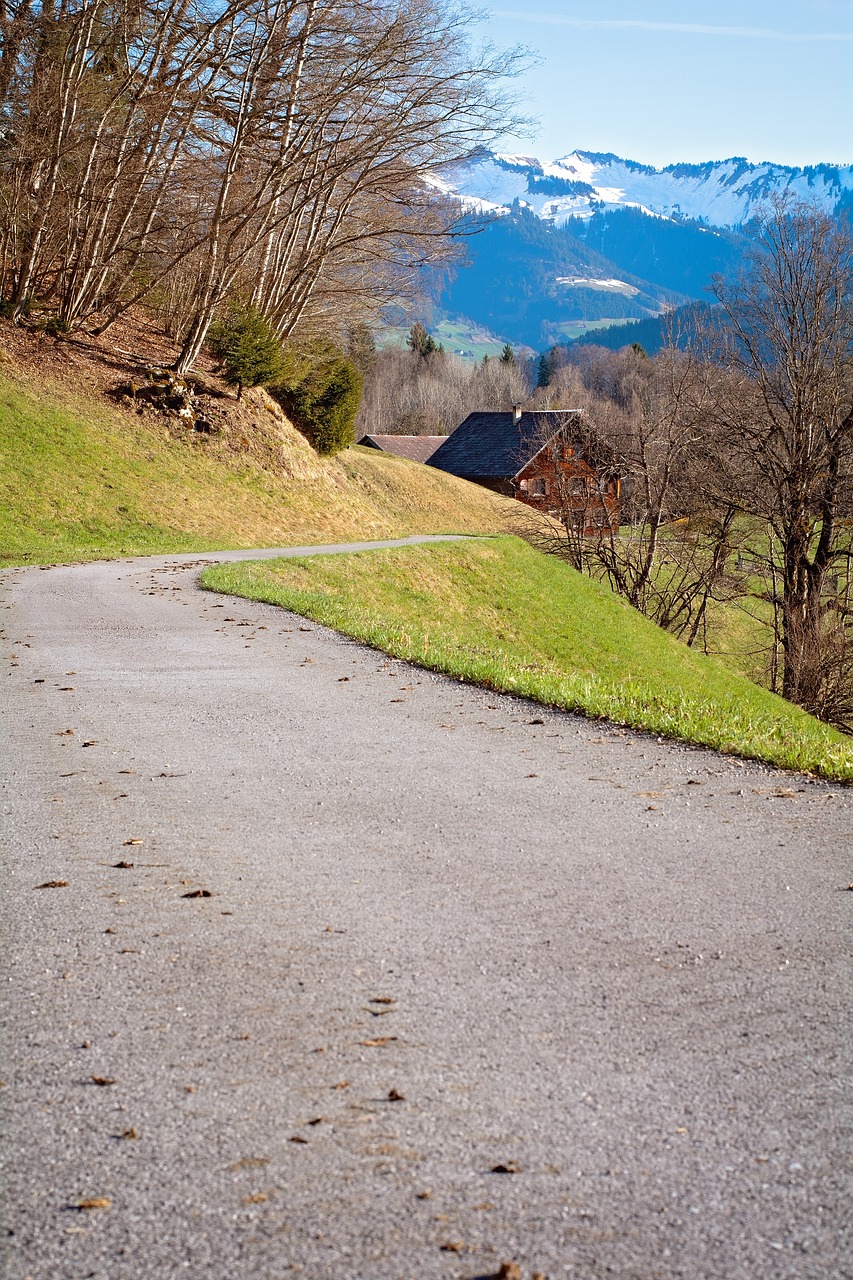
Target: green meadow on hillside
498,613
81,480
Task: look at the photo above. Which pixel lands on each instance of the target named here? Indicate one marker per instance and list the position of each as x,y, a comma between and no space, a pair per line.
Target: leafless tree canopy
177,150
783,412
409,394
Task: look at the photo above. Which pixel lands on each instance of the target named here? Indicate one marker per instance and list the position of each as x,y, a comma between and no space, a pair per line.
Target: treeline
182,153
421,389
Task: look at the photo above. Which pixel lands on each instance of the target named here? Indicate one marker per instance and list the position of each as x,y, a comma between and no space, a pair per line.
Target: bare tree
641,421
784,440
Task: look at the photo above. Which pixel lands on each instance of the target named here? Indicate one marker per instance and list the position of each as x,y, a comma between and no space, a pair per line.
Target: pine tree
507,356
246,346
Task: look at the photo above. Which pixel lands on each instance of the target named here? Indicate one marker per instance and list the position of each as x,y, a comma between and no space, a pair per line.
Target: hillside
82,476
503,615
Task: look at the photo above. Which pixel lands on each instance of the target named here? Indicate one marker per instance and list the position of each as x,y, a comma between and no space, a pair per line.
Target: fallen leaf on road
509,1166
95,1202
344,1084
535,721
394,1096
102,1080
130,1134
508,1271
377,1013
424,1195
64,733
259,1197
316,1120
378,1042
134,840
382,1000
123,866
453,1246
197,893
53,884
297,1138
248,1162
342,679
92,742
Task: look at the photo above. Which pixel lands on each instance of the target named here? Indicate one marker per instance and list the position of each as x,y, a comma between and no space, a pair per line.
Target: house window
538,487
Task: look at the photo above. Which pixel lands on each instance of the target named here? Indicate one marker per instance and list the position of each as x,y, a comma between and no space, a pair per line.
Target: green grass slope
82,480
501,614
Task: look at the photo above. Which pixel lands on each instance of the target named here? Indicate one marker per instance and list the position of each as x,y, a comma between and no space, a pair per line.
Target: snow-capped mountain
723,193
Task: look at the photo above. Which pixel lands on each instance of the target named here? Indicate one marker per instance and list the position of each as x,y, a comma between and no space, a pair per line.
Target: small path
618,966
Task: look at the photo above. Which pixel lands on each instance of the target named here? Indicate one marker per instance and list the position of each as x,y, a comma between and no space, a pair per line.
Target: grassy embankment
501,614
81,480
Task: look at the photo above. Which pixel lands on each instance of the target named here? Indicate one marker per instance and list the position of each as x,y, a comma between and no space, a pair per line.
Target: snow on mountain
722,193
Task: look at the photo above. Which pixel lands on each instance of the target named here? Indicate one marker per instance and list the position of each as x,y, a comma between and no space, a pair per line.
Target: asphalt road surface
353,972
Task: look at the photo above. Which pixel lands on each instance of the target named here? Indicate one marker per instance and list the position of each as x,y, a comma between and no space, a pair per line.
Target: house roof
418,448
491,445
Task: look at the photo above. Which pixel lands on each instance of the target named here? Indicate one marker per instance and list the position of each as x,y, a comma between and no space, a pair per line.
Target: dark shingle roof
491,445
418,448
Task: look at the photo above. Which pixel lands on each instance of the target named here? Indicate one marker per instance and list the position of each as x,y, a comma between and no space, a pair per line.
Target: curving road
447,933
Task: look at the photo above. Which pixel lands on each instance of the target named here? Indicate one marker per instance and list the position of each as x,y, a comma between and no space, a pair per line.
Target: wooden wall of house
557,480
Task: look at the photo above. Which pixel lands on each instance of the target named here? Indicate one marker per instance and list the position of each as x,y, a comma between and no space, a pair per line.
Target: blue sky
663,81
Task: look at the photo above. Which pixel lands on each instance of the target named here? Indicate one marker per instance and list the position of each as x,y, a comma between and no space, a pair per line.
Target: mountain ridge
721,193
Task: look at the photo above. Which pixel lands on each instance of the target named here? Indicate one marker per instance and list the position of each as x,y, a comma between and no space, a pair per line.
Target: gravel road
353,972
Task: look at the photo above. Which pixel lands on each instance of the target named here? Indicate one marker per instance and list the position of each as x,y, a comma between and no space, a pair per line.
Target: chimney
516,414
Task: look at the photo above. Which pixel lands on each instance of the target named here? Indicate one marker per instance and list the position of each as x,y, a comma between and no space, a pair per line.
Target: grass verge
500,614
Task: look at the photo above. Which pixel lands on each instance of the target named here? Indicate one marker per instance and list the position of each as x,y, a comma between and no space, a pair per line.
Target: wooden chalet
544,458
418,448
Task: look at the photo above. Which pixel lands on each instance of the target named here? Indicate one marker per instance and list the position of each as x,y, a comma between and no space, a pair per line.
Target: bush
246,346
323,405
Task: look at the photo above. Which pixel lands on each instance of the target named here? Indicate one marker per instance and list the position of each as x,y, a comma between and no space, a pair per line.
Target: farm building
418,448
544,458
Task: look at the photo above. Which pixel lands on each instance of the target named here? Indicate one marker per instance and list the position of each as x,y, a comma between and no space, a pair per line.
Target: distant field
470,341
503,615
579,328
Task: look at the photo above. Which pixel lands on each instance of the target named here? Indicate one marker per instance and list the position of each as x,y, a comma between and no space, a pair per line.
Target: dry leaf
453,1246
197,893
394,1096
342,679
93,742
344,1084
378,1042
509,1271
510,1166
123,866
53,884
96,1202
259,1197
248,1162
130,1134
424,1195
316,1120
297,1138
382,1000
535,721
102,1080
485,1206
134,840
